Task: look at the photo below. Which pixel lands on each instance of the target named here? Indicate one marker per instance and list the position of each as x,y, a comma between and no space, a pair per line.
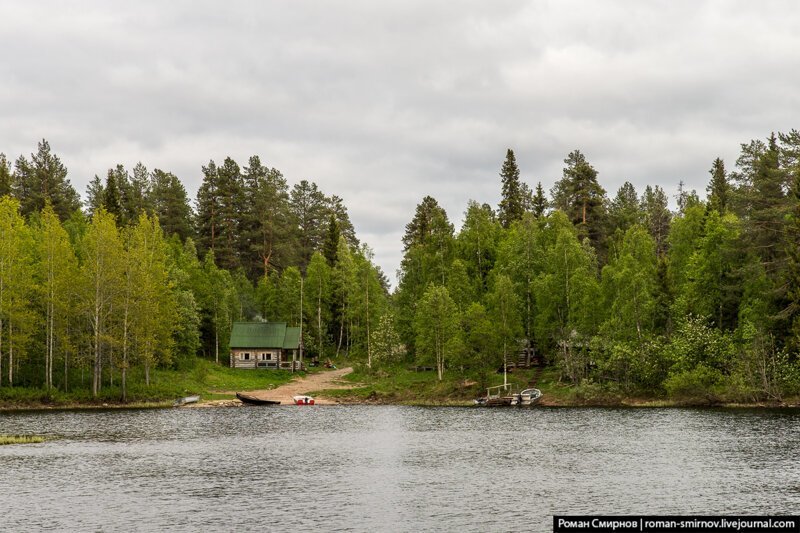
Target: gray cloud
383,103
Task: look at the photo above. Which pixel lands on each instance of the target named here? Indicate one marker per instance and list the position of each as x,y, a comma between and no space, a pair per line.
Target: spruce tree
112,200
6,182
95,195
540,203
331,244
512,202
718,188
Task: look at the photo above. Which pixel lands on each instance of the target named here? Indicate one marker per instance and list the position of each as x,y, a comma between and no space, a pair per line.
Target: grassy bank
206,379
402,385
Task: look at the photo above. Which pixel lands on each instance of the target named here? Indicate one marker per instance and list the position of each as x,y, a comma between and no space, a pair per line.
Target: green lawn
402,385
207,379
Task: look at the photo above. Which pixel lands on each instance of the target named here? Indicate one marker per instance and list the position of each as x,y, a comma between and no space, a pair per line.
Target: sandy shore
312,382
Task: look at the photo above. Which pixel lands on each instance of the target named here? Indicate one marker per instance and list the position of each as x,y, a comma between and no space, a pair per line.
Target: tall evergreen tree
6,177
308,205
625,211
331,245
266,222
208,209
43,179
657,216
539,201
112,194
718,188
512,202
581,197
170,203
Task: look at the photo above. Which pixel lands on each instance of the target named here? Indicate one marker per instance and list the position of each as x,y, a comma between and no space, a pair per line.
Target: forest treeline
620,293
138,279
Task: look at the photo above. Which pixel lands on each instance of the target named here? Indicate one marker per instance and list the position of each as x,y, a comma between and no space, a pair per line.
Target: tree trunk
369,351
125,357
10,353
216,339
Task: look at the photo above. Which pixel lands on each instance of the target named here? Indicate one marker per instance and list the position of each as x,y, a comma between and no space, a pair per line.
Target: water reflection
390,468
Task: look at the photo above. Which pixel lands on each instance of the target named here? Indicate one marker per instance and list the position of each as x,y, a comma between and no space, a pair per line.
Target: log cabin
264,345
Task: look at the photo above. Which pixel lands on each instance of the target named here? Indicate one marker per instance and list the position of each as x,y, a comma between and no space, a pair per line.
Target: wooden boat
185,400
252,400
303,400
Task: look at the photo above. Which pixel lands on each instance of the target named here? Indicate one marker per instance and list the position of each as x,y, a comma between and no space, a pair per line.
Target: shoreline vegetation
128,298
396,386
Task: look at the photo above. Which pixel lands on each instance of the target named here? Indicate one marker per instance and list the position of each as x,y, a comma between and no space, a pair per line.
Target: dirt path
312,382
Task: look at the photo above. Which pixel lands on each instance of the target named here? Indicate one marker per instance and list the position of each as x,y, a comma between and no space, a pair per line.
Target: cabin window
246,356
266,356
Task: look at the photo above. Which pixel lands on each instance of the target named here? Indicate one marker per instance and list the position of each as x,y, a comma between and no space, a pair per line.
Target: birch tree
56,268
101,278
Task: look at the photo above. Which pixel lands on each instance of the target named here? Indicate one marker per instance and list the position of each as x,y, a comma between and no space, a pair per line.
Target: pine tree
44,179
266,222
170,203
512,203
308,206
208,210
657,216
581,197
137,198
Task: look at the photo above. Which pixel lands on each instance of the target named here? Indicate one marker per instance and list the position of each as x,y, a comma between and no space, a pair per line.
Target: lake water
382,468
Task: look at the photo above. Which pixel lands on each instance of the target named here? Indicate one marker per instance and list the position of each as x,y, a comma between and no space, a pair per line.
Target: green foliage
700,383
437,325
513,201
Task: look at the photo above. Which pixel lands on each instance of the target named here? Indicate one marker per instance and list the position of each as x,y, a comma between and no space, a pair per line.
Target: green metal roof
264,335
292,339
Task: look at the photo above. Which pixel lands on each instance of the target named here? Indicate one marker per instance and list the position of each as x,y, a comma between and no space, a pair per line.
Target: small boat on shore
252,400
185,400
500,397
303,400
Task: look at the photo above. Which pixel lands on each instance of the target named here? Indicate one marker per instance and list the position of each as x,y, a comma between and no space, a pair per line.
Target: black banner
675,524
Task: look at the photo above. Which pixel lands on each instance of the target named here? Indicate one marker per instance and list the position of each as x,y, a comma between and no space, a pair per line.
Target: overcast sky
385,102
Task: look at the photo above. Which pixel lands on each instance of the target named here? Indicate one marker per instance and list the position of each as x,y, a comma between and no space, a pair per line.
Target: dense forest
619,293
139,279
